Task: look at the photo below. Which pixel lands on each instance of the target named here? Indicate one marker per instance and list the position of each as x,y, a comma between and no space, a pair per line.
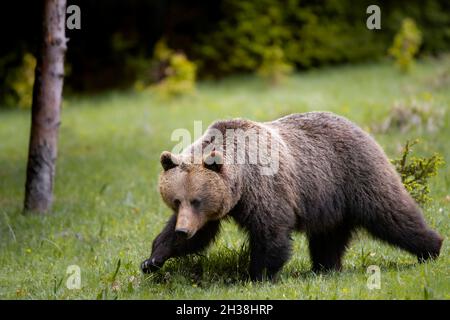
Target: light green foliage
162,52
20,82
313,34
406,45
274,67
416,172
180,77
329,33
178,73
107,206
307,35
241,41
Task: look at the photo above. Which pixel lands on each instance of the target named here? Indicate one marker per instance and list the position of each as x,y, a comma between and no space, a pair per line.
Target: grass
107,208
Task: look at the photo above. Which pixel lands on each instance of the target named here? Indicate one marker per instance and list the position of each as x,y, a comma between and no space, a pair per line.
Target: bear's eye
176,203
195,202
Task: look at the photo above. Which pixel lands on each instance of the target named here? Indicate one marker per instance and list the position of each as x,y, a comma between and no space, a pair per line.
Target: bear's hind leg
407,229
327,248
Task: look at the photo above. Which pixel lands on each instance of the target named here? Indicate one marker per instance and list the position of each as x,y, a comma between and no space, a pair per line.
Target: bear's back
327,136
317,124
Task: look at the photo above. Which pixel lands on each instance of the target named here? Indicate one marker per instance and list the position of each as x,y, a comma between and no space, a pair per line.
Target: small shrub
274,66
180,77
172,74
416,172
20,82
406,45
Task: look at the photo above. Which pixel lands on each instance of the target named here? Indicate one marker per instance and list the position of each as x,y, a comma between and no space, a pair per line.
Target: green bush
180,79
416,172
314,33
148,71
274,66
242,38
406,45
19,83
171,74
306,33
329,32
432,16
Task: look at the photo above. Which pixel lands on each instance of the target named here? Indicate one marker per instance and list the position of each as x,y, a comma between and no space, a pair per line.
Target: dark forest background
115,44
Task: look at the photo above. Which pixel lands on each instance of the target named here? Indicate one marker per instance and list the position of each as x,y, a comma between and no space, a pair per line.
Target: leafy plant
172,71
180,79
406,45
20,83
242,38
274,66
252,32
416,172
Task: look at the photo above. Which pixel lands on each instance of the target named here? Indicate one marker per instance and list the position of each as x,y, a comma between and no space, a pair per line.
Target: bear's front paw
150,265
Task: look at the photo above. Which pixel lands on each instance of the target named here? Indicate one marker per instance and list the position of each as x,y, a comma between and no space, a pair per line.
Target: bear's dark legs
269,252
327,248
168,244
408,231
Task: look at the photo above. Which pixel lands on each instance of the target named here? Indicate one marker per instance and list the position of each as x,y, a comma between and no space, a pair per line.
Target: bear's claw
150,265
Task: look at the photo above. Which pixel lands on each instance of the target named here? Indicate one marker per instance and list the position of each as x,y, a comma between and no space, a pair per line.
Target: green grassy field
107,208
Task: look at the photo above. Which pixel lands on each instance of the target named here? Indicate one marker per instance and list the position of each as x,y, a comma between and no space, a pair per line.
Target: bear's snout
188,223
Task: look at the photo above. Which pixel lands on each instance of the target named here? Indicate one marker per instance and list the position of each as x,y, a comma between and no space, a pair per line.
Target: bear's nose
181,233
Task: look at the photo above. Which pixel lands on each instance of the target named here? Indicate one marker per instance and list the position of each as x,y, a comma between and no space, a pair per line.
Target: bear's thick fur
331,178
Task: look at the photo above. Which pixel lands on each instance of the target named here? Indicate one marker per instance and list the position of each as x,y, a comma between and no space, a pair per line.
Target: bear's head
197,193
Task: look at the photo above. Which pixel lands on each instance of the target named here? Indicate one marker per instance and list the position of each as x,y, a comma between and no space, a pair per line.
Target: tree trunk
45,114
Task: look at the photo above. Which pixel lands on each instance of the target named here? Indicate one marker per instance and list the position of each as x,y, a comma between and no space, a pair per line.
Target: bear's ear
213,161
168,160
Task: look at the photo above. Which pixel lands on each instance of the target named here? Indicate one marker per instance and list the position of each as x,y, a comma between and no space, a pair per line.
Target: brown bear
329,178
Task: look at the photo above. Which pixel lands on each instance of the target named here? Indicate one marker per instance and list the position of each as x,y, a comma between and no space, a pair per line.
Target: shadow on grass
230,267
224,266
